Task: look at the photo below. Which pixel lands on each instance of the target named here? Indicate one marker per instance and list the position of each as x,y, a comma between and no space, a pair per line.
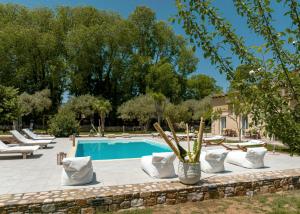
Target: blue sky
164,10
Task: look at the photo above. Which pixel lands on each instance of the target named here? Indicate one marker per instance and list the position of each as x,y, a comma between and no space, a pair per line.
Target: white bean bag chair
77,171
213,160
253,158
159,165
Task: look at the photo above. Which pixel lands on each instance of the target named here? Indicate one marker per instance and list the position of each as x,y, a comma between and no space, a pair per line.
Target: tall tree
162,79
83,50
200,86
31,51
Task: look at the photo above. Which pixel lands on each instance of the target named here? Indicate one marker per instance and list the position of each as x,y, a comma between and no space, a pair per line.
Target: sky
165,9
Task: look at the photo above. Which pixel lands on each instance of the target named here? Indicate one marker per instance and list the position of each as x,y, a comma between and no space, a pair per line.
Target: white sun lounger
215,138
24,150
180,136
29,142
253,158
37,137
159,165
213,160
243,146
77,171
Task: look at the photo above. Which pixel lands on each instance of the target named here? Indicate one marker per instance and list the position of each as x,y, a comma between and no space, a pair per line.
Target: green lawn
279,203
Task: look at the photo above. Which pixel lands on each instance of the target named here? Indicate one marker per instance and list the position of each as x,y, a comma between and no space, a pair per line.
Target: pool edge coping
72,152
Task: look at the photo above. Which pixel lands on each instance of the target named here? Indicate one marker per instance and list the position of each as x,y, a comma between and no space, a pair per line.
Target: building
227,123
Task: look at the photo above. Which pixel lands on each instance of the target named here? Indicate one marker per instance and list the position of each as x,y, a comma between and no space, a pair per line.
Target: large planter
189,173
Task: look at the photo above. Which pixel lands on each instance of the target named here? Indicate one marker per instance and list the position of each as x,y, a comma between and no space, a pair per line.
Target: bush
63,124
9,108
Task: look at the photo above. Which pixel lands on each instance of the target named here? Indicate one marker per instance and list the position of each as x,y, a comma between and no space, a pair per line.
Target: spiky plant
183,155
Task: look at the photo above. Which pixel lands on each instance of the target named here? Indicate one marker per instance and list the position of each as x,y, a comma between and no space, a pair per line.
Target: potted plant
189,169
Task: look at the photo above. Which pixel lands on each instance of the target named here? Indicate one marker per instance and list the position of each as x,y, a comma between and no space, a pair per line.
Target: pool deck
41,173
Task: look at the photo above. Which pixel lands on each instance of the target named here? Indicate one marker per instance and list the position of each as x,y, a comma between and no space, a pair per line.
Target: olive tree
198,108
141,108
82,106
35,104
177,113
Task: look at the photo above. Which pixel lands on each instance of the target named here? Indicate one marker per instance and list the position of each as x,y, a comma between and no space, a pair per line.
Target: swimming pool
118,149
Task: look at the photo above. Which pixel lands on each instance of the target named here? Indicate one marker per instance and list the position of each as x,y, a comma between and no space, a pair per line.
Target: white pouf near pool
77,171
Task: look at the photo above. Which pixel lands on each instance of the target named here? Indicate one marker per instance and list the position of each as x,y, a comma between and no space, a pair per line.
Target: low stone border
90,200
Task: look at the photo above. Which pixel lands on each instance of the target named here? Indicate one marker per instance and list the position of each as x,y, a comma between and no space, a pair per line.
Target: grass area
278,148
279,203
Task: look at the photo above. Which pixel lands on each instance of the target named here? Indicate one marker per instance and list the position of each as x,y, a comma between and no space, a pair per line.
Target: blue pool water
118,149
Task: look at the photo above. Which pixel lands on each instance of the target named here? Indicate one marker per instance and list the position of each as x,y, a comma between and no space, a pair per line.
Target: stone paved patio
41,173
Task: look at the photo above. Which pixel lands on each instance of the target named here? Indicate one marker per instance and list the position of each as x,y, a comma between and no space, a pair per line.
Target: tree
141,108
82,106
35,104
198,108
83,50
37,61
269,75
200,86
160,102
237,109
119,58
103,107
64,123
177,113
162,79
9,107
26,102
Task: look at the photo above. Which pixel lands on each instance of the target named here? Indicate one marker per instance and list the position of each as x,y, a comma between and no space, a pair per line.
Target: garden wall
102,199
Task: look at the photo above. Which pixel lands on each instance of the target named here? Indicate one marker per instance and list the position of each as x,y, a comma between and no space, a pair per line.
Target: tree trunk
102,117
239,128
43,122
146,126
159,119
99,126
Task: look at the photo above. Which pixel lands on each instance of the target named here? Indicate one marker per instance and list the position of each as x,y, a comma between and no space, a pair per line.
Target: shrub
8,104
64,123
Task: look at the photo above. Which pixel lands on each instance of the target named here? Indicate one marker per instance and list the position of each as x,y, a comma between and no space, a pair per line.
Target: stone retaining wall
102,199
